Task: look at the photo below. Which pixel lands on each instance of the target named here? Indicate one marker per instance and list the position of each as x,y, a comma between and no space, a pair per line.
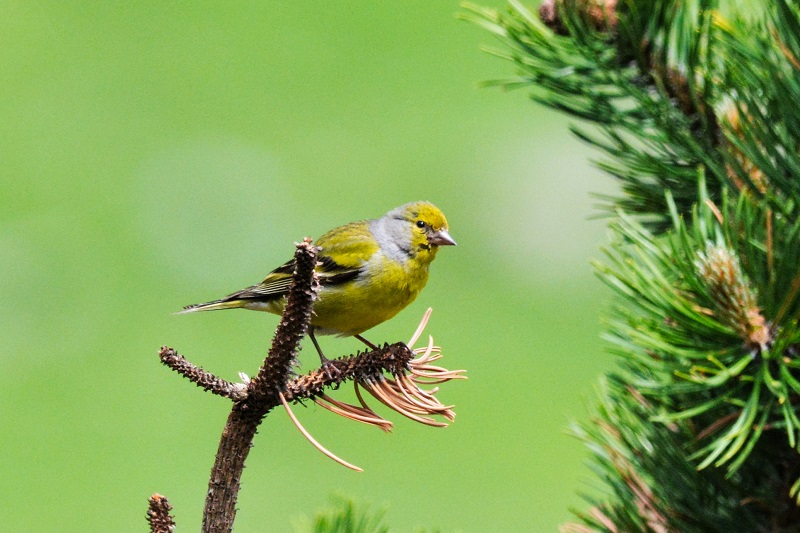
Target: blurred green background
160,154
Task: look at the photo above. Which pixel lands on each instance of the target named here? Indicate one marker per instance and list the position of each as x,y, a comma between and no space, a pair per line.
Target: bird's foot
329,367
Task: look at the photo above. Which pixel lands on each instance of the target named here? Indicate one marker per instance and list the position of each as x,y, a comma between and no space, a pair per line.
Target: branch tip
158,514
202,378
601,15
400,391
733,296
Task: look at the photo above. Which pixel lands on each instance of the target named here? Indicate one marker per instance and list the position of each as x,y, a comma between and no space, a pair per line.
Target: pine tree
695,105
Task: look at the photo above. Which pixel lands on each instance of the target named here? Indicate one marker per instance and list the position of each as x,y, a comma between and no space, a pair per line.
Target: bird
368,272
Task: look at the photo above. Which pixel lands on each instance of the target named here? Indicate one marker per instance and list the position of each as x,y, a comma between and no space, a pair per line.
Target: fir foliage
638,79
344,517
695,109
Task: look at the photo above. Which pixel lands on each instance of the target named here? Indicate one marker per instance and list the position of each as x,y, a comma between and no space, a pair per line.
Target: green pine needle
695,109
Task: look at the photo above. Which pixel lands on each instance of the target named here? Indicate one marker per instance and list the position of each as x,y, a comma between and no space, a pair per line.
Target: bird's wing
275,285
343,254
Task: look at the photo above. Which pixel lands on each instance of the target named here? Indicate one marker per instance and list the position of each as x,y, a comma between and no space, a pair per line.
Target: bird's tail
212,306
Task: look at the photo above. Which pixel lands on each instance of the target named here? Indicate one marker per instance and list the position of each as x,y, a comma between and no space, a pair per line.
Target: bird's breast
383,289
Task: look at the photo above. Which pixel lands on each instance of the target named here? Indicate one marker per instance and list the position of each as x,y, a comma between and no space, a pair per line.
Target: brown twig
246,415
158,514
202,378
409,370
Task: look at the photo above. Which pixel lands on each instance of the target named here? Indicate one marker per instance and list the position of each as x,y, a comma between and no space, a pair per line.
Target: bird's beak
441,238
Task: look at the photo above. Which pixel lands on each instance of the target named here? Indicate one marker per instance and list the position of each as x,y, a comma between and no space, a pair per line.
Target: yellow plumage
369,271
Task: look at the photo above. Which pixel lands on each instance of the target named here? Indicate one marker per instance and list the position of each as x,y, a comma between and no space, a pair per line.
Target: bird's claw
330,369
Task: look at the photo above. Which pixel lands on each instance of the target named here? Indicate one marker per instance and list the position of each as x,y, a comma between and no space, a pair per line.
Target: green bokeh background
159,154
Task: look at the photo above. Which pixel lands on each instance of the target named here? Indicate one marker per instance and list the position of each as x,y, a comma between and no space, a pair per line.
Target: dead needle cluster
403,392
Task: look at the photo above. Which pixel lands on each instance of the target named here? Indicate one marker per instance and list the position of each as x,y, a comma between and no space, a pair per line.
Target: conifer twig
694,104
202,378
246,416
158,514
274,385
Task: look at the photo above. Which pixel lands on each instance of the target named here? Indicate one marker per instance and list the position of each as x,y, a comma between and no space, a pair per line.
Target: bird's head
418,229
429,226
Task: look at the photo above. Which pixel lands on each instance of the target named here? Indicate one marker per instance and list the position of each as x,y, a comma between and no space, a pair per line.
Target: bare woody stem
246,415
202,378
392,358
275,384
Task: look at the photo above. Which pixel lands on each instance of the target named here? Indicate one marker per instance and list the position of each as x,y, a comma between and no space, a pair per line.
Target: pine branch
638,72
158,514
410,371
346,516
203,379
246,415
696,110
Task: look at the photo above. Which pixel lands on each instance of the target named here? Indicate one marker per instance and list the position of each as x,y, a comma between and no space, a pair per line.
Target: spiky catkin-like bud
735,128
158,514
392,358
275,372
734,299
600,14
202,378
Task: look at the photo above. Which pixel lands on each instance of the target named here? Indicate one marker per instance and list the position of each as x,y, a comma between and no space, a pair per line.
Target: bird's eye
420,224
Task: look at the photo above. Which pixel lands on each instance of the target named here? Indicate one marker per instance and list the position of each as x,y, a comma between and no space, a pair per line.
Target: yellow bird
368,271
